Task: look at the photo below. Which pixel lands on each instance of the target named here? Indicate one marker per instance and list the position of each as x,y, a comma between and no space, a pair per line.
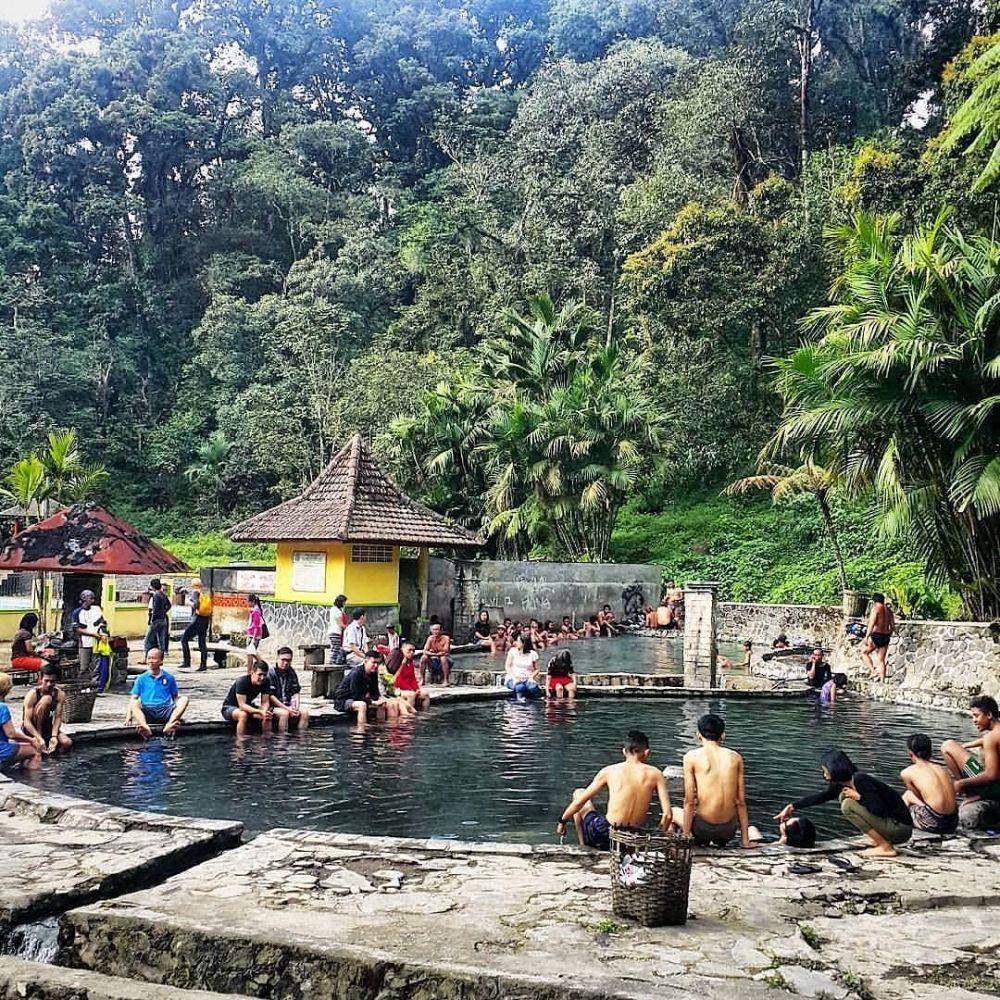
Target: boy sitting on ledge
631,786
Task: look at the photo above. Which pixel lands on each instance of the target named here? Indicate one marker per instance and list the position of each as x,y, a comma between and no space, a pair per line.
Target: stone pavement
60,852
352,917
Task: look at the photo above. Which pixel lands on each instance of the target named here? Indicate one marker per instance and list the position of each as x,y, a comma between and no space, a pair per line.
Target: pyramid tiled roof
352,500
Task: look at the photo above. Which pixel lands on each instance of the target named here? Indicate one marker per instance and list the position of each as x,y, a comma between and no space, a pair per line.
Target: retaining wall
808,624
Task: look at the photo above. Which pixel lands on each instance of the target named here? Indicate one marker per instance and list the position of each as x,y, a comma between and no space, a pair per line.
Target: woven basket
80,698
650,876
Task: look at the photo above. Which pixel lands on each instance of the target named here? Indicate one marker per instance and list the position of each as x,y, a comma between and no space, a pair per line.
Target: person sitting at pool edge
436,655
43,712
358,692
15,747
239,705
877,810
285,686
715,804
566,630
560,682
727,664
631,786
606,621
482,631
521,669
817,670
405,676
930,791
155,698
977,779
355,641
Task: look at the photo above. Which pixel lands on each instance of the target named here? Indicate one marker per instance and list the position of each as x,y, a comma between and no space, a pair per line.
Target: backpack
265,632
204,605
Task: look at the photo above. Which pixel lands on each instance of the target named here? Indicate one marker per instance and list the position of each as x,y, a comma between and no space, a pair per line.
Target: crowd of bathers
500,637
715,804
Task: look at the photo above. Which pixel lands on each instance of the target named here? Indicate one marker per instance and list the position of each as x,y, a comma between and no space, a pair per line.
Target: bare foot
144,731
170,728
879,852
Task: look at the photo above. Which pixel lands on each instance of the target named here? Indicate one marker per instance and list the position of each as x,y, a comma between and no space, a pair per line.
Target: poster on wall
309,572
255,581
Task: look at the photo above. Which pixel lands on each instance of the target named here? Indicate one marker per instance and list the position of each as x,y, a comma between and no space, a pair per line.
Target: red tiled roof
86,539
352,500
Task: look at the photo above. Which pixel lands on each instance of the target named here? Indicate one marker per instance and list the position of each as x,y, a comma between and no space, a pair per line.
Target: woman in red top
405,681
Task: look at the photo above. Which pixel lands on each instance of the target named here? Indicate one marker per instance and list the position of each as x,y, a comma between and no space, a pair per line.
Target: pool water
475,771
626,654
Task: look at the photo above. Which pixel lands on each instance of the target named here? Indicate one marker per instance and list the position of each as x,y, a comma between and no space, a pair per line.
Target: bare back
631,787
714,774
933,783
881,620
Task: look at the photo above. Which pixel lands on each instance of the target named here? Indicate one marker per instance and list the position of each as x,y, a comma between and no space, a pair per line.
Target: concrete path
352,917
60,852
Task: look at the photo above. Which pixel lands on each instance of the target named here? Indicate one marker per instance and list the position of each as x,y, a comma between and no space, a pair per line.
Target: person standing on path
158,624
255,631
881,625
87,619
201,618
338,622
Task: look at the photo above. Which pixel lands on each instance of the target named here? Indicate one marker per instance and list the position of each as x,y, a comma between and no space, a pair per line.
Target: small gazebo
343,534
86,542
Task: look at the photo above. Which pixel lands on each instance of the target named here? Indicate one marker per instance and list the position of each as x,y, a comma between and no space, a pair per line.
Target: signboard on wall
309,572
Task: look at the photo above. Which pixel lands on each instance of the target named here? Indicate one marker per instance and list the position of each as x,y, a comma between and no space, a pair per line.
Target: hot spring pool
494,771
628,654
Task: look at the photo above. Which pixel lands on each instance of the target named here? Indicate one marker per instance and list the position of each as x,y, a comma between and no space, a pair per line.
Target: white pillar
700,651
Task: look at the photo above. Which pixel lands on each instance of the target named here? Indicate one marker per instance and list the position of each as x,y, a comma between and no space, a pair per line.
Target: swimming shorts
930,820
880,639
8,749
720,834
227,712
596,831
971,769
564,681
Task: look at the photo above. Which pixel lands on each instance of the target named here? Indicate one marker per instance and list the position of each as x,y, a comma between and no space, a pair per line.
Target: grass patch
608,927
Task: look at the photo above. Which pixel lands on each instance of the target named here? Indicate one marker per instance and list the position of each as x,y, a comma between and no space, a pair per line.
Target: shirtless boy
881,624
631,786
930,790
975,779
715,804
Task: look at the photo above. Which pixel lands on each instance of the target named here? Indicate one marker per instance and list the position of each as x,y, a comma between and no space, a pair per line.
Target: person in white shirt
337,625
356,639
86,620
522,669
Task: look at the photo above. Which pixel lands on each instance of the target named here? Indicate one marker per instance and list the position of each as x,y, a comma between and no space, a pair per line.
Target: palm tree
976,124
901,389
211,466
784,483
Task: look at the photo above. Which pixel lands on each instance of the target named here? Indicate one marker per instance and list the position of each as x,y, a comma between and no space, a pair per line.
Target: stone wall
939,664
807,624
543,590
293,624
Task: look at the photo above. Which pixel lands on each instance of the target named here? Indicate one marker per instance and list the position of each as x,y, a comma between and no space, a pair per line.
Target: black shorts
158,714
46,728
880,639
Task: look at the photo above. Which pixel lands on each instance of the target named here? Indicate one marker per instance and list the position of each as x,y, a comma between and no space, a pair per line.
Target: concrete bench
325,679
221,651
313,653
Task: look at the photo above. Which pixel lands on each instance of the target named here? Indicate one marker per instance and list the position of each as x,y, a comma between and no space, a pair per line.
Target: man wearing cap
201,618
87,619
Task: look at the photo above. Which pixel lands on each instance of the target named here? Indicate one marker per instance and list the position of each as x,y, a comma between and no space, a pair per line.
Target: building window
371,552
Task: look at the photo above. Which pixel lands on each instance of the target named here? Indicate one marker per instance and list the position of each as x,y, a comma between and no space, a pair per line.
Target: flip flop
800,869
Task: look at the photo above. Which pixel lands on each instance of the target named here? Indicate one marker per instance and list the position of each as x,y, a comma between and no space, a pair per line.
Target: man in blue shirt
155,698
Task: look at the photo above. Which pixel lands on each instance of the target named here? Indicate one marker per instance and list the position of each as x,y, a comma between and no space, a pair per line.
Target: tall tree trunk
804,32
831,532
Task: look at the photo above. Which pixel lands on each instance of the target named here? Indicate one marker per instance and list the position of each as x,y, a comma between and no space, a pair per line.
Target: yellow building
343,534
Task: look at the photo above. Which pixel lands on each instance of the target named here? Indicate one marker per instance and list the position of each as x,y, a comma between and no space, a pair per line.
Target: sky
21,10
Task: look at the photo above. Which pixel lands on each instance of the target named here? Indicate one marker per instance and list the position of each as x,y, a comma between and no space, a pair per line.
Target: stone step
20,978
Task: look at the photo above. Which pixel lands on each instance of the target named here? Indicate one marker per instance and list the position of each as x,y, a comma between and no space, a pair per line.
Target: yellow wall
363,583
9,620
336,556
373,583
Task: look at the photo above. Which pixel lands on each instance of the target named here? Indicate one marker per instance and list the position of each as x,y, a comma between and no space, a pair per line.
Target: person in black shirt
877,810
817,670
359,693
285,686
239,705
158,632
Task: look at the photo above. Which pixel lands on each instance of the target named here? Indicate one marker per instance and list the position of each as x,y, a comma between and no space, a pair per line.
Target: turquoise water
482,771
